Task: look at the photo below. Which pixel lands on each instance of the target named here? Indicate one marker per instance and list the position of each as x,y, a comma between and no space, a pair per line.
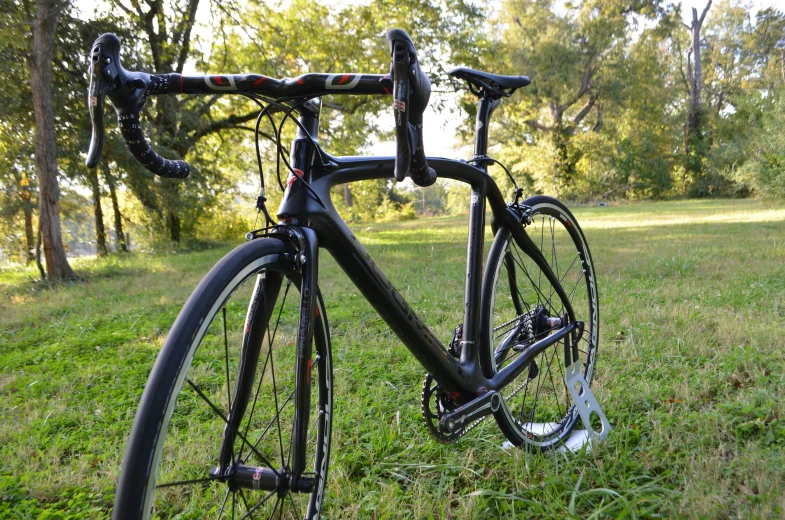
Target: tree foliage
606,116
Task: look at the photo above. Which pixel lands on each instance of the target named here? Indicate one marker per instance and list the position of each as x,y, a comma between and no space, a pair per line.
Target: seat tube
474,254
476,241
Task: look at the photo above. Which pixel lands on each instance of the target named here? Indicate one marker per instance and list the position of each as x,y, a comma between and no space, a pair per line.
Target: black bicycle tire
504,419
132,499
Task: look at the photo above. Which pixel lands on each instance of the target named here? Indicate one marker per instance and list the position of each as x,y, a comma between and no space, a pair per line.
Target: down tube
391,306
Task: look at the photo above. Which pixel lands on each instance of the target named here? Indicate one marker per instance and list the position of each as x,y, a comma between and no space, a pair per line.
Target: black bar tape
159,84
420,173
131,129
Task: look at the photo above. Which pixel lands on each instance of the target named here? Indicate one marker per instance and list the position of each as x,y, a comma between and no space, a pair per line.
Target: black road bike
235,420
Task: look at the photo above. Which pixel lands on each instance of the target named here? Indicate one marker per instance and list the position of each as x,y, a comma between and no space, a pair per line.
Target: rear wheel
213,436
522,307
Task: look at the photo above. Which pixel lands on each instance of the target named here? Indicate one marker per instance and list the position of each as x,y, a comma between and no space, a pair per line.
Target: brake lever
401,90
104,72
96,93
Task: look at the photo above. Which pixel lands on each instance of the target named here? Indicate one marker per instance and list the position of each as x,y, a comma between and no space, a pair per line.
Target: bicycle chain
433,395
432,418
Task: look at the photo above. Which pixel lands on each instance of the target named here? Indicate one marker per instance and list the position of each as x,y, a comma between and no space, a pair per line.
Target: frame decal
343,82
220,82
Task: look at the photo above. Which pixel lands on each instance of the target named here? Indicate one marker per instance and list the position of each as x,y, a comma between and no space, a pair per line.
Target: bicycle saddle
493,83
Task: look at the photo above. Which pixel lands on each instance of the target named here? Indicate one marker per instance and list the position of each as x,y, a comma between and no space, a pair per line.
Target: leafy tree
576,59
38,55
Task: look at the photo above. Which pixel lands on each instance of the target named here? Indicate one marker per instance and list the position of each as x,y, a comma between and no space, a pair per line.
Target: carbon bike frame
463,377
307,212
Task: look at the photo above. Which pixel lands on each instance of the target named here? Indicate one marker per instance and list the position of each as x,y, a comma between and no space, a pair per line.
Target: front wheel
521,307
213,436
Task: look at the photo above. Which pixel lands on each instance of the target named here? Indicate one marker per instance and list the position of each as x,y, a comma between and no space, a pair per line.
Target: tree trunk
38,253
118,218
29,234
693,138
45,23
782,63
696,80
347,196
100,232
173,223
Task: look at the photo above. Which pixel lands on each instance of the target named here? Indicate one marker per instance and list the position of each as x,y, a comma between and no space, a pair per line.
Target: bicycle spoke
542,240
270,341
257,506
245,503
564,382
536,287
550,377
272,371
525,393
576,285
187,482
537,394
223,504
554,257
294,506
267,428
219,414
256,394
577,256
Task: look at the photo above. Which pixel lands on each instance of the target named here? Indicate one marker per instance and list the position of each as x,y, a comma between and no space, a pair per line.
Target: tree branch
681,65
206,106
184,28
253,130
344,108
537,125
703,15
125,9
585,110
598,124
587,74
223,124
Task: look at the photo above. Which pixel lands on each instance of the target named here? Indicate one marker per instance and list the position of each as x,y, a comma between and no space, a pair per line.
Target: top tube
307,85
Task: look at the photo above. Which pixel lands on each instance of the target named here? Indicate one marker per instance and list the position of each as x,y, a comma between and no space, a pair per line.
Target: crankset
435,405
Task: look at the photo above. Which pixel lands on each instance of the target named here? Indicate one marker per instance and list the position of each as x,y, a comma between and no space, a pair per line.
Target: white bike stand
586,404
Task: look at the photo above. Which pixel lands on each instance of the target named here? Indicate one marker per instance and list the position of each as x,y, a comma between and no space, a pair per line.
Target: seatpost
484,110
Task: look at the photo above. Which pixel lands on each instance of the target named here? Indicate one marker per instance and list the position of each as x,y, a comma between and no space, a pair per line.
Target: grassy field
690,375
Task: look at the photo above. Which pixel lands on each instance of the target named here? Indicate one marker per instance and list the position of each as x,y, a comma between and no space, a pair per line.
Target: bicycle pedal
482,406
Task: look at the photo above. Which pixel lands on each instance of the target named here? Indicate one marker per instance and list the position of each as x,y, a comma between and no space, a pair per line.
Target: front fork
260,309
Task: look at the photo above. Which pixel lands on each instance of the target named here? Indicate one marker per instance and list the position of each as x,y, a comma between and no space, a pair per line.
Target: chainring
435,403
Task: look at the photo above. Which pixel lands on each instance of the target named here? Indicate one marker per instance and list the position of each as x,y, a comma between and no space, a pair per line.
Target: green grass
692,303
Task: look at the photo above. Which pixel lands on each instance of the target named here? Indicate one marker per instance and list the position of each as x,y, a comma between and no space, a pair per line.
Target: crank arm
472,411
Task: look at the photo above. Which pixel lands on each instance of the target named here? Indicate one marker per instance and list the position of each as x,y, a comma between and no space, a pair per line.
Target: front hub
240,476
